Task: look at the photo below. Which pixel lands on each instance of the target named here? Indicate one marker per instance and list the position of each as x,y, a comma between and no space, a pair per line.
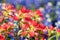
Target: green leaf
18,7
33,9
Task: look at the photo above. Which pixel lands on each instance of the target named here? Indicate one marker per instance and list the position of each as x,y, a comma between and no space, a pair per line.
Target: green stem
56,35
51,37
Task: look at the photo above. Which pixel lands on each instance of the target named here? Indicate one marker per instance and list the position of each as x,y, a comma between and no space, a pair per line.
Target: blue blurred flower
27,3
46,1
0,6
37,3
57,24
59,38
13,2
11,37
21,2
58,17
21,38
57,0
46,23
0,13
48,7
58,11
10,19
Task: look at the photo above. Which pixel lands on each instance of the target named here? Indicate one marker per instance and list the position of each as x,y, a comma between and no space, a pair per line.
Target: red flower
43,38
41,18
51,28
41,26
58,30
28,19
36,33
27,11
2,37
11,24
31,34
36,38
23,33
10,6
5,26
8,32
15,18
1,19
39,29
25,26
39,13
23,9
34,23
12,34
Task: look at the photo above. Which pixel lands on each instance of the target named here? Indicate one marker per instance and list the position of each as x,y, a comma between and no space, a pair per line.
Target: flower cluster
25,23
